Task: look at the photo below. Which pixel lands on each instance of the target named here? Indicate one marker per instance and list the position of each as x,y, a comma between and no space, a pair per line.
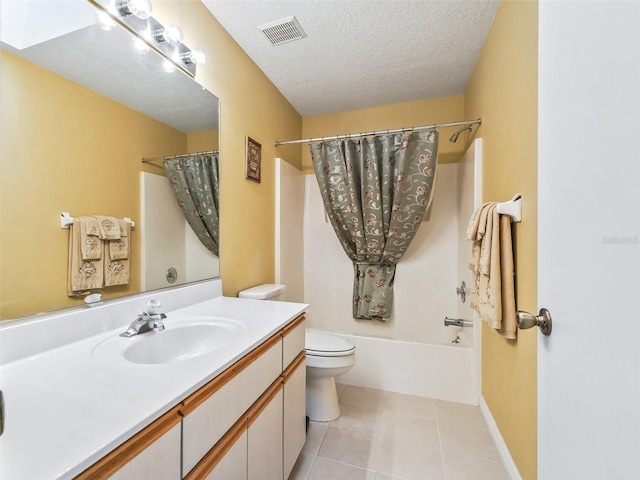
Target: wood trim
197,398
287,328
206,465
123,454
269,394
293,366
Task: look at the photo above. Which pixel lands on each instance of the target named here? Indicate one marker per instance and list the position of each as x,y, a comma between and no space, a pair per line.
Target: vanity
218,394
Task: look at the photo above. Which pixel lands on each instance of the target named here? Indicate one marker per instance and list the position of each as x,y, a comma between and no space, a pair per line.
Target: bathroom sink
182,339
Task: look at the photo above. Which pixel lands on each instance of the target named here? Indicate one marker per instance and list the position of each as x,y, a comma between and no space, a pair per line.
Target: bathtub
443,372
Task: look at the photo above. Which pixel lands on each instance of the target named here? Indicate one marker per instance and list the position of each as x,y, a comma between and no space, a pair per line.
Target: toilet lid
323,345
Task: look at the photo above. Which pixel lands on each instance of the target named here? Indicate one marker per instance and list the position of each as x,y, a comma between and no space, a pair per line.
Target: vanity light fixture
138,8
196,56
172,34
135,16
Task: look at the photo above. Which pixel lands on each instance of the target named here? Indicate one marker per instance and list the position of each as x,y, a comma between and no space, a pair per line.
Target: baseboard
503,451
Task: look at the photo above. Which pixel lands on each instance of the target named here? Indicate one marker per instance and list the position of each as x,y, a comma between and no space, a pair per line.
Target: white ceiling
361,53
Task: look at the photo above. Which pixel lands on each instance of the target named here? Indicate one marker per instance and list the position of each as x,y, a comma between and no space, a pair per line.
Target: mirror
80,108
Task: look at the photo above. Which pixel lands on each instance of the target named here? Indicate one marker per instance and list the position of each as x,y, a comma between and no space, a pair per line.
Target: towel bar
66,219
513,208
457,322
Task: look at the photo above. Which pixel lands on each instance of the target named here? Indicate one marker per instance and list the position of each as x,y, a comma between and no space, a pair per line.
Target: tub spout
457,322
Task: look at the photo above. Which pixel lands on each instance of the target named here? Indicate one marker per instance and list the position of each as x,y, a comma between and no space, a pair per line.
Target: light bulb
138,8
197,56
104,21
173,35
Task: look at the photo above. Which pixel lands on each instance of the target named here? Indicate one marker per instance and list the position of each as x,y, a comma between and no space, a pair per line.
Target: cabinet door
295,425
160,460
207,423
265,442
233,465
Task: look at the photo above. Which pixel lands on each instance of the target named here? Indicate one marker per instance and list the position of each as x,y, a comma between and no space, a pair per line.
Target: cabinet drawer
160,460
203,426
293,340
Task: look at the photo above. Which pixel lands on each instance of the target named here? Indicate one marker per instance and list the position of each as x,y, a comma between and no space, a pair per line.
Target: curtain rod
169,157
380,132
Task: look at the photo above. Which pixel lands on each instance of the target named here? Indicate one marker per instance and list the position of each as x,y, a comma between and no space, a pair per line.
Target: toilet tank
266,291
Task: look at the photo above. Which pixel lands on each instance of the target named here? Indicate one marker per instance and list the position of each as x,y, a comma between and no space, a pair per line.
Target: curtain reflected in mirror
195,184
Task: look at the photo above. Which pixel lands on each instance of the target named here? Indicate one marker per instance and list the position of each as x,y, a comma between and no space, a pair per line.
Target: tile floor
389,436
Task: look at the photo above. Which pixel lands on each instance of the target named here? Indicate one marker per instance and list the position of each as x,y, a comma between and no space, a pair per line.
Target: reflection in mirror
80,108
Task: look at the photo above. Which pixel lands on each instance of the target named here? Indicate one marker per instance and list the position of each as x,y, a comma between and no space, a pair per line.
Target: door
589,240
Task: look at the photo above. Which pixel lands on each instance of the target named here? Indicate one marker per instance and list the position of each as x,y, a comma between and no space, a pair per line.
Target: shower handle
462,291
527,320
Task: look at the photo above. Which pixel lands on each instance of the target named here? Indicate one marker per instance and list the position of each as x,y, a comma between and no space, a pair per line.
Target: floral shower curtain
376,191
195,184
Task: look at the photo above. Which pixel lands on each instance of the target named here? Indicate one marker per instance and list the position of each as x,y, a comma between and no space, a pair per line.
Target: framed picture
254,160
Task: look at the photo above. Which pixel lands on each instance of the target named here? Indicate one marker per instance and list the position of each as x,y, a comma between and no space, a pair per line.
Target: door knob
527,320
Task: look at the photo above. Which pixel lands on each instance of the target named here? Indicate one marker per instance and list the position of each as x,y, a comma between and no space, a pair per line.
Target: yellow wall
249,105
503,90
59,155
424,112
202,141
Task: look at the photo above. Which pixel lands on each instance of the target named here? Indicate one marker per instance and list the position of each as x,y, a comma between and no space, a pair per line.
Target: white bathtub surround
435,371
411,353
289,221
67,409
425,283
164,248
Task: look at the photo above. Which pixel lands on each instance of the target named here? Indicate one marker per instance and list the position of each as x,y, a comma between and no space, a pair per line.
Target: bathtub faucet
457,322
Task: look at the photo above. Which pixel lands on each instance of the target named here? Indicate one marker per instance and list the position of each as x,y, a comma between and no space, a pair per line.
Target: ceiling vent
283,31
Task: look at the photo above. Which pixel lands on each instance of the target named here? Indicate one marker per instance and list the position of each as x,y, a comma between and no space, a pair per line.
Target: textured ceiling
360,54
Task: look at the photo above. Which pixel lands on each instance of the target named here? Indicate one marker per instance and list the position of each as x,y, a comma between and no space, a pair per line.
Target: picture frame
254,160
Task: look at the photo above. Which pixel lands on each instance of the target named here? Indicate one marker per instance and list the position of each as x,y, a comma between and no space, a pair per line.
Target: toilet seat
323,345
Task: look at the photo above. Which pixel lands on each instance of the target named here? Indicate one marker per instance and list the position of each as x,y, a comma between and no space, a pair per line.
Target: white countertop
65,409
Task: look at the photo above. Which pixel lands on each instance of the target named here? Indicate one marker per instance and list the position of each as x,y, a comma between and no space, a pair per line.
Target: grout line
435,414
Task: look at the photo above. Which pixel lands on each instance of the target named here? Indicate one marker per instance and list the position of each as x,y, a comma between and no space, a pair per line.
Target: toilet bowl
327,356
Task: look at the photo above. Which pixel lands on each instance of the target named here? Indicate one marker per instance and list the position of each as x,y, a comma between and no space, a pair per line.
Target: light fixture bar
137,27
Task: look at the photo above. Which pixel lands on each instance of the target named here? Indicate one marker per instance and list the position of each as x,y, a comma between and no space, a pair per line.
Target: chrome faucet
150,319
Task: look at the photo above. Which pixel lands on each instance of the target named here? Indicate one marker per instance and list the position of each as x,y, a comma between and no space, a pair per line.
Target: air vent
283,31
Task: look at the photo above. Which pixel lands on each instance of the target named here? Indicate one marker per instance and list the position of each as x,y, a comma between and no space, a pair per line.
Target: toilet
327,356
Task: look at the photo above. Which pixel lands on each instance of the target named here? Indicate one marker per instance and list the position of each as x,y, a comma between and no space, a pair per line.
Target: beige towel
119,249
82,275
509,328
492,292
109,227
90,243
116,268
